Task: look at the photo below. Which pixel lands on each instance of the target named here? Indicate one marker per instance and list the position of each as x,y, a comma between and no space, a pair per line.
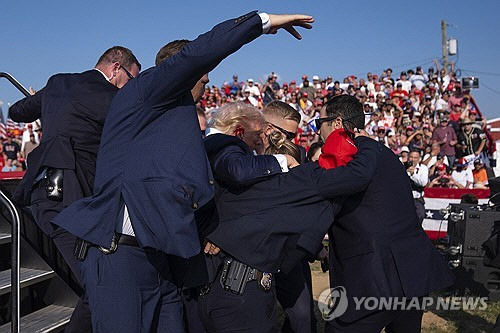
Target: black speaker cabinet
469,226
473,278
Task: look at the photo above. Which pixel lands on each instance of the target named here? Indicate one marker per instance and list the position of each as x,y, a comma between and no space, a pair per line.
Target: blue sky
41,38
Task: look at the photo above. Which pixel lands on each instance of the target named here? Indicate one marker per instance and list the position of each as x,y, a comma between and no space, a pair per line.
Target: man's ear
115,68
337,123
239,131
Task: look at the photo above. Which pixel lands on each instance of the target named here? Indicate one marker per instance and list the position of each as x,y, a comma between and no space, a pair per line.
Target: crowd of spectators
412,111
17,145
423,112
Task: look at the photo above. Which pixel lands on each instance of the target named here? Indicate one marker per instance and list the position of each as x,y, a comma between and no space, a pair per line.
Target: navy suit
274,221
274,217
73,108
378,247
152,160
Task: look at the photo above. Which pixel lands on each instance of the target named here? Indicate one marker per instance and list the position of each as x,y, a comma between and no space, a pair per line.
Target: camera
444,180
408,164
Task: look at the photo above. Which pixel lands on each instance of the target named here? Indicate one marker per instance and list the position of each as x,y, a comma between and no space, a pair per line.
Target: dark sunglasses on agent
289,135
130,76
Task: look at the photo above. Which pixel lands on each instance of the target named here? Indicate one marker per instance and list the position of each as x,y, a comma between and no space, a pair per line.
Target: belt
81,246
127,240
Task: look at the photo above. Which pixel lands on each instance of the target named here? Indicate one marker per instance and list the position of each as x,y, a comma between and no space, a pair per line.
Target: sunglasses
318,122
130,76
289,135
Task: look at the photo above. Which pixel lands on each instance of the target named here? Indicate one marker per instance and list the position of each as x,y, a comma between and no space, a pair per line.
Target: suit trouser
294,292
127,292
191,316
398,321
44,210
254,311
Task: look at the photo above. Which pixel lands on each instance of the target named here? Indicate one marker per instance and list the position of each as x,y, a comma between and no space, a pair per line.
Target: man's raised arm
180,72
353,177
28,109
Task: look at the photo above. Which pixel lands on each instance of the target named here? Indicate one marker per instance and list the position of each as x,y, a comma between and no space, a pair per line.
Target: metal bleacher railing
15,236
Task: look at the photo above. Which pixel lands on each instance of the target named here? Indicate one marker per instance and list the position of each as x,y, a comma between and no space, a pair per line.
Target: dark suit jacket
73,108
151,156
234,165
263,224
378,247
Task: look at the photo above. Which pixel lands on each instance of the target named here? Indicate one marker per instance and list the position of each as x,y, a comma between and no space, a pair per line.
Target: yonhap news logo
333,303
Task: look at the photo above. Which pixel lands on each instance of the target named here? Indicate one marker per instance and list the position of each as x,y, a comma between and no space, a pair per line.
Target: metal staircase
45,300
37,290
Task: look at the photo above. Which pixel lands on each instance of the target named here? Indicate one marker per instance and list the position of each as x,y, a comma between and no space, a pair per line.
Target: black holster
53,183
235,275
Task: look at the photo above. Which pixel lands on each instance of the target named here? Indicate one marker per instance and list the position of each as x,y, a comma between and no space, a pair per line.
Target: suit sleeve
180,72
352,178
28,109
235,168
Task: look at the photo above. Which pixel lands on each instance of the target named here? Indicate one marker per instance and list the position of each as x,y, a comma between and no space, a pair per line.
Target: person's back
84,119
381,249
61,168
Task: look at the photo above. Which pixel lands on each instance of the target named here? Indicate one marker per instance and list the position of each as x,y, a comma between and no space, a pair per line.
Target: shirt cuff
266,22
282,161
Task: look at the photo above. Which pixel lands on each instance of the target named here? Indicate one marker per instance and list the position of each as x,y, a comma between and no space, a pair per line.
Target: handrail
491,142
15,83
16,267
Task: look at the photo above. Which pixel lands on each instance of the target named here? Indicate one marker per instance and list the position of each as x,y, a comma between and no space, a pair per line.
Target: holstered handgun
235,275
53,183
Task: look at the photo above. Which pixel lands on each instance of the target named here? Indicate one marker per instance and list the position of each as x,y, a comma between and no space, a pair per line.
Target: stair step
4,238
49,319
28,277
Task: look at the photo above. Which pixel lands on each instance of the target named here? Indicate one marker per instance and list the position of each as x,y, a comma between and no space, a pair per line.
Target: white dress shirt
420,177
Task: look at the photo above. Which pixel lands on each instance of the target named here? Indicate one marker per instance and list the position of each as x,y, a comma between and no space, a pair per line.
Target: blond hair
227,118
278,144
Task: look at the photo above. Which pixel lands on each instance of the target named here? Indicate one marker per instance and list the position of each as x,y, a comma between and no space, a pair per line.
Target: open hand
289,22
211,249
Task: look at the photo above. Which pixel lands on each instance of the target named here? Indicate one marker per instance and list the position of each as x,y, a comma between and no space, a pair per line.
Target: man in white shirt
406,85
316,84
252,88
419,176
430,159
419,78
442,102
462,175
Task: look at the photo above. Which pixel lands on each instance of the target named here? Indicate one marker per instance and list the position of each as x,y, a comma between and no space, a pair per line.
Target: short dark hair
349,109
118,54
313,149
169,50
282,110
469,198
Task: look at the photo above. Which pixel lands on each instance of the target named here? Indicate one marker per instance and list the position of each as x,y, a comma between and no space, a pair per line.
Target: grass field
470,321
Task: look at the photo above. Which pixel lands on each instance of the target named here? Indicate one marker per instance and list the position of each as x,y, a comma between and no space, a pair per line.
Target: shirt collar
211,130
102,73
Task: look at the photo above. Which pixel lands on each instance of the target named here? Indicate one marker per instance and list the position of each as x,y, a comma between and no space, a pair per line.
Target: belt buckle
113,247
